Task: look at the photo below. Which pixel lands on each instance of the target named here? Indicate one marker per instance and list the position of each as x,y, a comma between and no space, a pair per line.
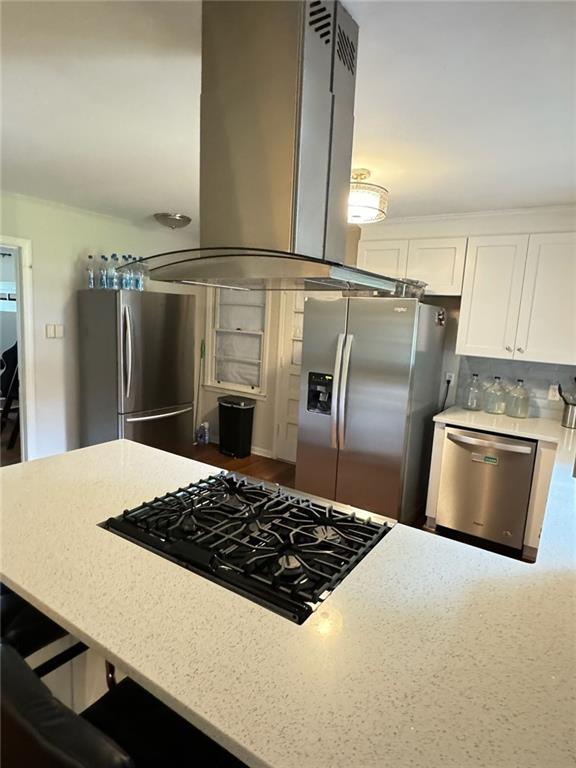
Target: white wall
61,239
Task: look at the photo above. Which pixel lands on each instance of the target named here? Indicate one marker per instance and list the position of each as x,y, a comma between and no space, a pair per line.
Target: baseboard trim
262,452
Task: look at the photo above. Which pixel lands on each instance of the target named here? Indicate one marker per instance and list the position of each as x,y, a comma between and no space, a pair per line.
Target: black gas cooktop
280,549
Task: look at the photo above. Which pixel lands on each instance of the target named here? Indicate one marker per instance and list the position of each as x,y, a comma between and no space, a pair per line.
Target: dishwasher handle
507,447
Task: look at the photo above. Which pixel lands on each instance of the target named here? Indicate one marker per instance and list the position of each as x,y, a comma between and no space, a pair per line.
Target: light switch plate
50,330
58,331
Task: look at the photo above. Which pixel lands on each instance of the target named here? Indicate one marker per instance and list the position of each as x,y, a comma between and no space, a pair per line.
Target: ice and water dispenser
320,392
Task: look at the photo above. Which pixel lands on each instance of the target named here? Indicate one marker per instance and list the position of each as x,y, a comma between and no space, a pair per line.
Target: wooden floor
272,470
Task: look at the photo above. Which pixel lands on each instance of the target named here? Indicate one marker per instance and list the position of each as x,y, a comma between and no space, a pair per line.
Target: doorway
16,391
288,379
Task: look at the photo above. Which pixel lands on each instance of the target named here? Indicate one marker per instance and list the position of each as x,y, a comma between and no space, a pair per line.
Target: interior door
322,347
170,429
377,361
288,380
546,326
156,350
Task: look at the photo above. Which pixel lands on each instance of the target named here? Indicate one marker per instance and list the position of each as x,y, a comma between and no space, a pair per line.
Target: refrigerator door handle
127,350
336,390
343,390
131,420
506,447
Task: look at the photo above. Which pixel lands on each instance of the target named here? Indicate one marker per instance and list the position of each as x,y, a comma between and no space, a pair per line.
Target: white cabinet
547,320
438,261
385,257
491,295
519,298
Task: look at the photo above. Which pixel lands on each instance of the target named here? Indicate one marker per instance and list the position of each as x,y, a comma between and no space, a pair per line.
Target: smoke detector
173,220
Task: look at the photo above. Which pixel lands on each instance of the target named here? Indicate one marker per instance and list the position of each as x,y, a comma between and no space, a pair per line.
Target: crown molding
544,210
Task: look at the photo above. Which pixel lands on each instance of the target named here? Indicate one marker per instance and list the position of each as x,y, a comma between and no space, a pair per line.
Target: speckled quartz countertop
534,428
430,654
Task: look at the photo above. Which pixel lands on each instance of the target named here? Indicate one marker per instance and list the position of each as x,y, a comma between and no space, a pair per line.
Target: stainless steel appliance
136,352
276,126
282,550
485,482
369,387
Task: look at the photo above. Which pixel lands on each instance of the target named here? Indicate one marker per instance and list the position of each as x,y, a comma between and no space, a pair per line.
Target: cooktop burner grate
281,549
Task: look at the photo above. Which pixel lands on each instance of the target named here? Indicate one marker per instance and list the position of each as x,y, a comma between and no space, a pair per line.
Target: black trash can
235,415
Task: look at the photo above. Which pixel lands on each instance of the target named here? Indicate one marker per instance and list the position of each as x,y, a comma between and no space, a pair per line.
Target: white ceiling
461,106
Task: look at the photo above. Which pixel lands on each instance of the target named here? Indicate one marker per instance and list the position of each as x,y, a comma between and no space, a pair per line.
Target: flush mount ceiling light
367,203
173,220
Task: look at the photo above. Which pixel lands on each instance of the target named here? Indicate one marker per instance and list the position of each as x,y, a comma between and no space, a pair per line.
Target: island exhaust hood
277,117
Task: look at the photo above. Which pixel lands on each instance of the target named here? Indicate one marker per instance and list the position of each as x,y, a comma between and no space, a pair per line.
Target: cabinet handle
519,349
508,348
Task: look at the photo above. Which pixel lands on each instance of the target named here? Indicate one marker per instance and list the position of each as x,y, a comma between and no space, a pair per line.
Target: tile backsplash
537,379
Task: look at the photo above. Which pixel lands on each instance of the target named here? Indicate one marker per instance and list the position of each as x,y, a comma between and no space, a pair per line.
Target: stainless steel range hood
277,117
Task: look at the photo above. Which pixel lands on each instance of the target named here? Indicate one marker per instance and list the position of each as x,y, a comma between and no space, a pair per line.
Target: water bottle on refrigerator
126,274
112,277
90,272
103,272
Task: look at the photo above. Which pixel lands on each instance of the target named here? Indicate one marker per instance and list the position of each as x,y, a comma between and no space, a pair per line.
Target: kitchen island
429,654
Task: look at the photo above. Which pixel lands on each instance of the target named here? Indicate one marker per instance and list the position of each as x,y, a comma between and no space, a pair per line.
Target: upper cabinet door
439,262
491,295
385,257
547,321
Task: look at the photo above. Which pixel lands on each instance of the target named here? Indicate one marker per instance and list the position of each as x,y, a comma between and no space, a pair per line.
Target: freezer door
485,483
322,349
156,350
169,429
377,360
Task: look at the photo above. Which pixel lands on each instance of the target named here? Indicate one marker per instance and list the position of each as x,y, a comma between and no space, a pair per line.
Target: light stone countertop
430,654
549,430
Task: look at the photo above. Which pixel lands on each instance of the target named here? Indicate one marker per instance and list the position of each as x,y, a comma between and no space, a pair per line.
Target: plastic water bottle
133,273
126,274
143,273
90,272
112,278
103,272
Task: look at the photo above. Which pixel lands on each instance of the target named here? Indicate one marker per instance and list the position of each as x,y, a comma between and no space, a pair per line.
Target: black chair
126,728
24,627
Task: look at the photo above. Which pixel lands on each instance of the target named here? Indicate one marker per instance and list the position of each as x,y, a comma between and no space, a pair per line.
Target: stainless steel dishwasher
485,482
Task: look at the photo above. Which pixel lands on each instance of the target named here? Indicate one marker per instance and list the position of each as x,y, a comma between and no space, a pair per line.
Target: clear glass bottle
473,395
518,401
495,397
103,273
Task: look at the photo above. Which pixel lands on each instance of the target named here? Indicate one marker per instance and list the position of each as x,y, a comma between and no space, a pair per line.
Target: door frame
25,326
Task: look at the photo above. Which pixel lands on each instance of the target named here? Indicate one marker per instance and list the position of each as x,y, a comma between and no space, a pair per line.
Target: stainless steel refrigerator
370,385
136,352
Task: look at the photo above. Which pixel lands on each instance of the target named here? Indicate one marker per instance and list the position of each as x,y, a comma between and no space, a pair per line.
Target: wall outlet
449,377
553,393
